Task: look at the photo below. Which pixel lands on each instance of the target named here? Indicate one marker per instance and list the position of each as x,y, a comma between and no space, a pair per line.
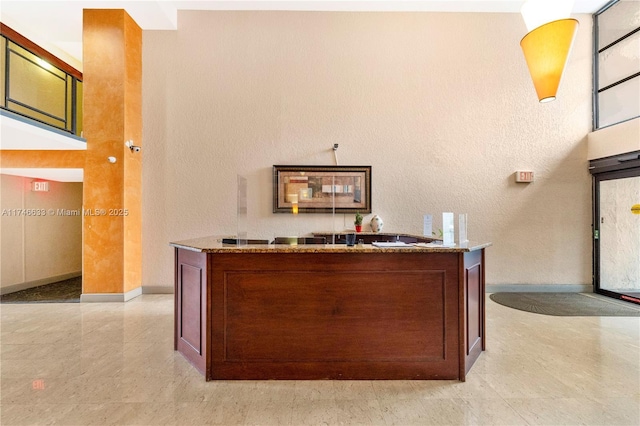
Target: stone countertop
213,244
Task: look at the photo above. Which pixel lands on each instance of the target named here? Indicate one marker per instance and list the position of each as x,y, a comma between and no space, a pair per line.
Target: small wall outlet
524,176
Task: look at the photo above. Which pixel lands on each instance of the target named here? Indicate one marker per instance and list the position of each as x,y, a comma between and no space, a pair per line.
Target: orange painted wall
40,159
133,161
112,52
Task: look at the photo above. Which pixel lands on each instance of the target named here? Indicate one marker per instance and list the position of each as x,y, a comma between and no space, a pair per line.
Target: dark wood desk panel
192,307
335,316
473,308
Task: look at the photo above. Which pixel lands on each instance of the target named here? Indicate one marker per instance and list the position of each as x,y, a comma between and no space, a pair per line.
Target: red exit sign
39,186
524,176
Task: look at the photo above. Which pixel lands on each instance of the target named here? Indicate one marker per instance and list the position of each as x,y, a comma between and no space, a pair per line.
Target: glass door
617,234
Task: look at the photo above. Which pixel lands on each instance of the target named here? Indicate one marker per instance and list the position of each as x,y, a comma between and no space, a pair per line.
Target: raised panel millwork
191,307
474,309
191,294
291,316
334,316
474,319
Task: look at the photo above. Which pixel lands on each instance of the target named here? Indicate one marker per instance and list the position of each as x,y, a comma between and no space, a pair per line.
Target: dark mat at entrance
566,304
67,291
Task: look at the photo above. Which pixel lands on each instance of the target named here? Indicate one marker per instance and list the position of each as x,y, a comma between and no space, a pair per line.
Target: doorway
41,235
617,227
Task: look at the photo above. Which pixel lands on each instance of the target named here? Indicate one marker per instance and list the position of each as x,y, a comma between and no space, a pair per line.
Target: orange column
112,70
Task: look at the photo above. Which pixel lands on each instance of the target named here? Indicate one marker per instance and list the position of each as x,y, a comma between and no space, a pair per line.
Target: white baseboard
157,289
37,283
541,288
110,297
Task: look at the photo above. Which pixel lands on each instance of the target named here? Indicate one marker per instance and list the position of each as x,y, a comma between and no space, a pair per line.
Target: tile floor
113,363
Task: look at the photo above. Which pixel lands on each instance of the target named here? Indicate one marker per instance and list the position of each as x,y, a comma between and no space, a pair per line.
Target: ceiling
57,25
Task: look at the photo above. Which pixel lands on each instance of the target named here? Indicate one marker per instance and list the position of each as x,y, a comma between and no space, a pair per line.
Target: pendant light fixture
547,45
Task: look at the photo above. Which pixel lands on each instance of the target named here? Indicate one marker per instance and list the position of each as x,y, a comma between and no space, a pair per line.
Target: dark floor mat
67,291
566,304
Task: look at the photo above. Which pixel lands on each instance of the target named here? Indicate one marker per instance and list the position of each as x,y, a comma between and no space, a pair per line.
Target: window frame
596,74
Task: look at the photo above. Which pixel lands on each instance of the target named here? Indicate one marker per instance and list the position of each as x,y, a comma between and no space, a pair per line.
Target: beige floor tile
177,366
394,388
216,412
408,411
559,411
619,411
281,391
181,413
114,363
207,413
97,414
152,413
33,391
359,412
504,362
449,412
49,367
493,412
536,384
266,412
94,390
432,389
310,390
435,411
314,412
38,351
353,389
139,389
475,387
34,414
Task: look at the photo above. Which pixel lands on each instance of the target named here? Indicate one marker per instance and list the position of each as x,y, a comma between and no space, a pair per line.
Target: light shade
546,50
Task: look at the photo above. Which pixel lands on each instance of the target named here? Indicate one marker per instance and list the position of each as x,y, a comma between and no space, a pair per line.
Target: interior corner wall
441,105
41,233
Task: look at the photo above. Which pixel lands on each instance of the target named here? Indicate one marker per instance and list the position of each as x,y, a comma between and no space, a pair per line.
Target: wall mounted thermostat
524,176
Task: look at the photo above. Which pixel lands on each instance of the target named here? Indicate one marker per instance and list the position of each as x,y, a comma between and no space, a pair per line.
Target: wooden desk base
330,315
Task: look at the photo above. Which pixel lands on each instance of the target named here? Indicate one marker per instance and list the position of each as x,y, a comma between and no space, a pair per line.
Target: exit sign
524,176
38,186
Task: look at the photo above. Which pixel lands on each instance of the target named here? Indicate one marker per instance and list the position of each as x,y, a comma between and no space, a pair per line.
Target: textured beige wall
613,140
441,105
35,248
11,231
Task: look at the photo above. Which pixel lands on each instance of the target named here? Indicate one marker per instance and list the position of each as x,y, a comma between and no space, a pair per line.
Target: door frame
604,169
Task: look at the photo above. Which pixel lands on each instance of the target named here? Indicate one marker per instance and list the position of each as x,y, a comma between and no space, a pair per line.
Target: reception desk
329,311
